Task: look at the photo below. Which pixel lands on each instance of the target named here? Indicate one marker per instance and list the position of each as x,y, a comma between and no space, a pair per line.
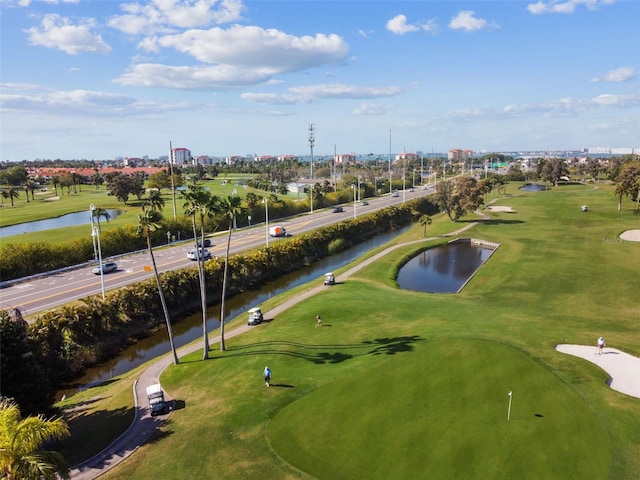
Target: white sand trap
51,199
500,208
631,235
623,369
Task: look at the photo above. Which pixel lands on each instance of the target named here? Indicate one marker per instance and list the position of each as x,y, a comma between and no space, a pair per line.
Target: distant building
458,155
406,156
133,162
288,158
265,158
181,156
345,158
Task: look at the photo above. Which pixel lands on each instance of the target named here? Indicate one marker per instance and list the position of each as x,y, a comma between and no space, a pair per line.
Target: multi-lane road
57,288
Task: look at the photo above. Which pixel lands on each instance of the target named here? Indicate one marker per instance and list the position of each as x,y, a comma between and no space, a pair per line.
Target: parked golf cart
255,316
329,279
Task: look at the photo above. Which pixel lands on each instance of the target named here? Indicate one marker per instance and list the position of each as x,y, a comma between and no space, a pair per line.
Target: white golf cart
329,278
255,316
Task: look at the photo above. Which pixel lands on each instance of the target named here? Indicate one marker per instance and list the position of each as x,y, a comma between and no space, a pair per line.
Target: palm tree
21,440
199,201
148,222
230,208
98,212
12,193
55,181
154,201
424,221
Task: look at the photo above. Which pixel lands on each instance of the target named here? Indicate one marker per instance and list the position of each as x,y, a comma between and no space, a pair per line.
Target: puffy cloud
399,26
26,3
621,74
58,32
164,15
306,94
564,6
466,20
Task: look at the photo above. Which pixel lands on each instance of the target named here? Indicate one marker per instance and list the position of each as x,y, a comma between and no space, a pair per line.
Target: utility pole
312,140
173,186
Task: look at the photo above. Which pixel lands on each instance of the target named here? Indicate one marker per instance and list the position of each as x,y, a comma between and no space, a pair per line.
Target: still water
443,269
533,187
190,328
69,220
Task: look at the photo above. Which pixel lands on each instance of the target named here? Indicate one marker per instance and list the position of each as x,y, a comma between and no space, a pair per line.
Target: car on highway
200,252
338,209
207,243
107,267
395,194
364,203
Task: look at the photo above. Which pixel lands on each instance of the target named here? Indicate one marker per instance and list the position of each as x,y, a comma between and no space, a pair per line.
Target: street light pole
95,232
355,212
266,220
312,140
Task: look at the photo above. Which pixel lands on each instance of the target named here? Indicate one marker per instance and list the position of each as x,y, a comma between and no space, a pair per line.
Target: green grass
42,209
401,384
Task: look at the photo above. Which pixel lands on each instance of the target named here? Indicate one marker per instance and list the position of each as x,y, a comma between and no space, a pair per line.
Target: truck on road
278,231
157,403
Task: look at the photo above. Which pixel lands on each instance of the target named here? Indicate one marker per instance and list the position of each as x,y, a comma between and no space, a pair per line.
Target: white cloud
621,74
252,47
399,26
372,109
238,56
58,32
564,6
221,77
26,3
163,15
466,20
306,94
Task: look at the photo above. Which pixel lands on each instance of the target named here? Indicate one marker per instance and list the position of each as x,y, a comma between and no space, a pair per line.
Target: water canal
68,220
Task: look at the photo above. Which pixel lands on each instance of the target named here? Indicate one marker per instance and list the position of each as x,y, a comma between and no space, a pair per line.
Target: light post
359,194
235,225
355,208
266,220
249,218
95,233
168,237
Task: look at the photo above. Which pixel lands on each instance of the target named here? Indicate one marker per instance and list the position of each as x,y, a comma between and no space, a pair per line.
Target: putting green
440,411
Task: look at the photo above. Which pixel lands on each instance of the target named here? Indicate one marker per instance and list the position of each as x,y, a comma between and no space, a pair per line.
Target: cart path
623,369
144,425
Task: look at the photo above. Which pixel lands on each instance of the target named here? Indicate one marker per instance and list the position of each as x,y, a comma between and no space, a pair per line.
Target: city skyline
100,80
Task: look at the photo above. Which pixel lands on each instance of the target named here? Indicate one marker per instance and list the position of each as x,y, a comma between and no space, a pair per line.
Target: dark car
207,243
338,209
107,267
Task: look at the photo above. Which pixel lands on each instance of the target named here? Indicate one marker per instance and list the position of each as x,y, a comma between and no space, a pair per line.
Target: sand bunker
631,235
51,199
500,208
623,369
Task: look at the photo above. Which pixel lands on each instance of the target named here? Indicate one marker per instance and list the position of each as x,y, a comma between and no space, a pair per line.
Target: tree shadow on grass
326,353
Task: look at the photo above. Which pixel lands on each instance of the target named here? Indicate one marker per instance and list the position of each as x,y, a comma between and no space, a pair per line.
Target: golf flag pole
509,410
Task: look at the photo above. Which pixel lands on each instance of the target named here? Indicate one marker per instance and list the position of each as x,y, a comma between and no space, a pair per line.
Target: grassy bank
400,383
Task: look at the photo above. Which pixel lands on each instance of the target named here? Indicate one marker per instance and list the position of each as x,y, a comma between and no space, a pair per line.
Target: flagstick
509,411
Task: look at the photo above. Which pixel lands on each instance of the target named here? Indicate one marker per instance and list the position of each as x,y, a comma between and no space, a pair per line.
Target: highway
58,288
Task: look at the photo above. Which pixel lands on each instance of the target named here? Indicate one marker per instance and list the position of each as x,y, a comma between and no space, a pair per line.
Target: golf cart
329,279
255,316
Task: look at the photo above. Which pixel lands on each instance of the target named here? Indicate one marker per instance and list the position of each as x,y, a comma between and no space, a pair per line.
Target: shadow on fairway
322,354
499,221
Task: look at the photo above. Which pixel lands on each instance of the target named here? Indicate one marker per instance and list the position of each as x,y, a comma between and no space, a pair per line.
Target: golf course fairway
440,411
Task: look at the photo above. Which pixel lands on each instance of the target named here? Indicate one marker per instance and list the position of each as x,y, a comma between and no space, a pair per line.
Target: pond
533,187
445,269
69,220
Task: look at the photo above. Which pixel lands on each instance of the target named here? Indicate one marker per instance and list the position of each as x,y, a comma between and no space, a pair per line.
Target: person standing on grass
601,345
267,376
318,321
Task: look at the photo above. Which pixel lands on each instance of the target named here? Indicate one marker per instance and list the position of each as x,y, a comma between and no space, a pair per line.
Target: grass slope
557,277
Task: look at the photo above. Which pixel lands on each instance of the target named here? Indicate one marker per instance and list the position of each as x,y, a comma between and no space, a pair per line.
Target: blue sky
105,79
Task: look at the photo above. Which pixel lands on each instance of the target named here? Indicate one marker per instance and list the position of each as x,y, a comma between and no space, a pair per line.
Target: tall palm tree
148,222
230,208
21,440
424,221
200,202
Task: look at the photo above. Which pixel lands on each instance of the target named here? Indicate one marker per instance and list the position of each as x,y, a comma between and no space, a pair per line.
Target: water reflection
69,220
443,269
190,328
533,187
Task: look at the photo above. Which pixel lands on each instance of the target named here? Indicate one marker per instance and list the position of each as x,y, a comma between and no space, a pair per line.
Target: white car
107,267
200,252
